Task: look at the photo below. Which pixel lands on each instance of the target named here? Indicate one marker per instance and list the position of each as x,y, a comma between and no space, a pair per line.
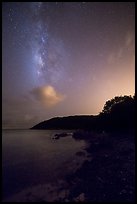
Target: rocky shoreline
107,175
110,174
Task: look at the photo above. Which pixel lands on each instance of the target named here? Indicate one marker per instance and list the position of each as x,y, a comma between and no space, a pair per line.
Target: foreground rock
110,175
64,134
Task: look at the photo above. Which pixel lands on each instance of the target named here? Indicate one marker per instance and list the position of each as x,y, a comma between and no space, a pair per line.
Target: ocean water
31,158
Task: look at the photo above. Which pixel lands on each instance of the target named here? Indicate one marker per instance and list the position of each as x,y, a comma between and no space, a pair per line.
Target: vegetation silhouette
108,173
117,114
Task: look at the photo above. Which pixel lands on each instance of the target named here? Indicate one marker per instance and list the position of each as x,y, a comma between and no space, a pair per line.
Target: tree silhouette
118,113
117,102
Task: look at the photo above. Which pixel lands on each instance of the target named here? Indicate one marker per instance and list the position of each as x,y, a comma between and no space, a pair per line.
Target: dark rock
80,153
58,135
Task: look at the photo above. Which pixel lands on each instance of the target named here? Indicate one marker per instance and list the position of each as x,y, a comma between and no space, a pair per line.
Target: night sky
63,58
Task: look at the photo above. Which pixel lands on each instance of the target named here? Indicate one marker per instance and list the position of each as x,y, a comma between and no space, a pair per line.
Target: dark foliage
117,114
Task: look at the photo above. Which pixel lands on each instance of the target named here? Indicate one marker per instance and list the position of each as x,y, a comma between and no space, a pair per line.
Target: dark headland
117,114
108,175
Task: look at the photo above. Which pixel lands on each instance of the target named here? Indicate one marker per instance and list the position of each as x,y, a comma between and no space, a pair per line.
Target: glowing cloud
47,95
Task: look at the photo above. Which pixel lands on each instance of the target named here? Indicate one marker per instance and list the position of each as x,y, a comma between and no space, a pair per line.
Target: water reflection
32,157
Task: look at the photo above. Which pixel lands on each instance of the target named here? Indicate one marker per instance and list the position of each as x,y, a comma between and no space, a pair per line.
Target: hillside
69,122
117,114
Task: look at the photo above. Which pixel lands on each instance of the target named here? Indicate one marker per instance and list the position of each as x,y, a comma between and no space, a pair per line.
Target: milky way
64,58
50,55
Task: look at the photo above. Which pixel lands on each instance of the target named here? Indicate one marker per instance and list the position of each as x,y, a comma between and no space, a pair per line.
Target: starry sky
64,58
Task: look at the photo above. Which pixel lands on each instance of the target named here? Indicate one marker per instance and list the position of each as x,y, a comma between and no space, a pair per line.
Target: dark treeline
117,114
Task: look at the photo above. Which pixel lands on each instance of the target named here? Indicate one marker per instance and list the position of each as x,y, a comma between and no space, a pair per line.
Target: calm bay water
32,157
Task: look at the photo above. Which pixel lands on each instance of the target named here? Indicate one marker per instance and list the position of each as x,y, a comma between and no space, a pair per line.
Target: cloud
47,95
129,40
115,56
124,49
29,109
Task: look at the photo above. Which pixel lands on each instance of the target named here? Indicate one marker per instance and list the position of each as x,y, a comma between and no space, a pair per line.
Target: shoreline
107,174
